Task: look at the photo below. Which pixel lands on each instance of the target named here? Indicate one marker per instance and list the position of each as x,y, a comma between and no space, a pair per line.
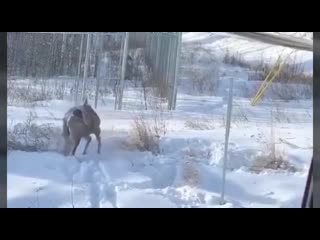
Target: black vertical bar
307,201
3,119
316,123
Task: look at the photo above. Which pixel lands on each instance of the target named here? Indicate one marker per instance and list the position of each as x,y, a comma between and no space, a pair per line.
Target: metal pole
176,75
307,201
117,89
228,126
157,53
277,39
86,65
168,61
98,76
64,42
124,68
173,59
80,56
79,72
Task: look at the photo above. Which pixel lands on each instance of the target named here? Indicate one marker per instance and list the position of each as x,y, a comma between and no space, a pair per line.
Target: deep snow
188,170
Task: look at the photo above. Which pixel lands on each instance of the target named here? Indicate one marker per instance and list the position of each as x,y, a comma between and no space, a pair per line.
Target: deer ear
85,102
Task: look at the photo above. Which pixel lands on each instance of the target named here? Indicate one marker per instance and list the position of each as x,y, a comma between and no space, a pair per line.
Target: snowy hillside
251,50
270,148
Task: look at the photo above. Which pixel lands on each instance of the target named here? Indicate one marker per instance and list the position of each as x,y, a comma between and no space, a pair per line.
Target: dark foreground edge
316,124
3,119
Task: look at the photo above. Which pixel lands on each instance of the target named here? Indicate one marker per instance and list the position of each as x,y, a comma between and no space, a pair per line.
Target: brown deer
80,122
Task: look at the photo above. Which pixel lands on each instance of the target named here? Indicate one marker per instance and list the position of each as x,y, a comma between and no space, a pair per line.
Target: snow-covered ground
120,177
188,170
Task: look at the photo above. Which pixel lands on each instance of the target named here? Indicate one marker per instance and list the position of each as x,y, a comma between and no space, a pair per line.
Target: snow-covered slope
220,42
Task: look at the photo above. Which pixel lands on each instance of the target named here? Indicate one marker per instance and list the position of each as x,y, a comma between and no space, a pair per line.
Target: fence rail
276,39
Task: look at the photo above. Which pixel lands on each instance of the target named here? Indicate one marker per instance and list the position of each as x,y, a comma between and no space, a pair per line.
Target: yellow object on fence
275,71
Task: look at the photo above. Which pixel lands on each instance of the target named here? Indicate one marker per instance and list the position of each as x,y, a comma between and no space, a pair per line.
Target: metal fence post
228,126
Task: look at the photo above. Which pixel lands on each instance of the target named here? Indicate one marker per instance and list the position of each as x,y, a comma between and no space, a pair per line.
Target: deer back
90,118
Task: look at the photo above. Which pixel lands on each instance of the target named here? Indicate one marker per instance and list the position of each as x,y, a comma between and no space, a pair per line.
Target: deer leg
76,144
87,145
66,149
99,142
